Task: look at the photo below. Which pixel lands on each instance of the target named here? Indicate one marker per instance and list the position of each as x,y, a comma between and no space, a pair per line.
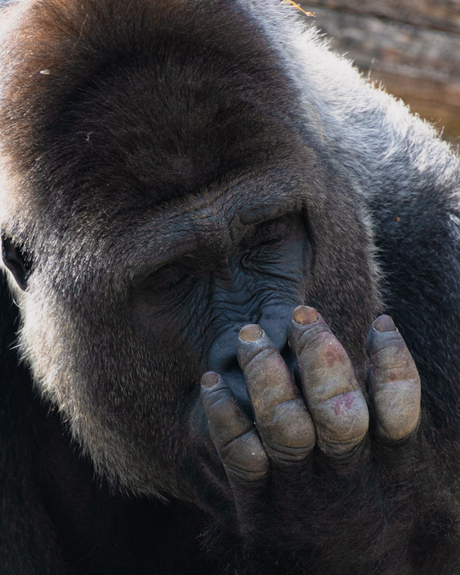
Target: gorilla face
233,267
124,364
174,212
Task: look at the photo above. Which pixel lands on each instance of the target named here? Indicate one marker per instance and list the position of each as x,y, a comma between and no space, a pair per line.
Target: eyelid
166,277
267,231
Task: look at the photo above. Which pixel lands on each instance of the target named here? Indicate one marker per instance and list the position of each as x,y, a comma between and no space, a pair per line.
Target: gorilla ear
14,260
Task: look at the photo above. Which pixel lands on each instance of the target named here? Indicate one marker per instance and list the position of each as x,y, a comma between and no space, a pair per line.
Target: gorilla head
165,191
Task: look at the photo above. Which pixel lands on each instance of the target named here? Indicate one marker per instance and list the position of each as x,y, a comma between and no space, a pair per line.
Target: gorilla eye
170,276
269,234
15,261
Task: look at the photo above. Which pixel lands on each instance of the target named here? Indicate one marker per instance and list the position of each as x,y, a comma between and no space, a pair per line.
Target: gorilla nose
222,353
223,360
222,356
275,323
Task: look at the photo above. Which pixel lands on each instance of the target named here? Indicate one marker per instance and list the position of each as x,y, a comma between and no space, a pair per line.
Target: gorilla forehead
173,129
148,117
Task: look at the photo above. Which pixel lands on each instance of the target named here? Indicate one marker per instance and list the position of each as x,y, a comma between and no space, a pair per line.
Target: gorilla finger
282,419
233,434
333,396
393,381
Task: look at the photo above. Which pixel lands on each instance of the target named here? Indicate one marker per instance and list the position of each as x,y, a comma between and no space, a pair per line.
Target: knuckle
343,418
397,408
267,363
393,355
288,430
245,458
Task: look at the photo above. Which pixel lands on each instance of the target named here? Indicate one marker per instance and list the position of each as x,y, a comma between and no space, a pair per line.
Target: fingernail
250,333
305,315
210,379
384,323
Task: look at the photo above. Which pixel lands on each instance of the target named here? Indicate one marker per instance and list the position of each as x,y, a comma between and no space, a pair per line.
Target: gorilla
230,300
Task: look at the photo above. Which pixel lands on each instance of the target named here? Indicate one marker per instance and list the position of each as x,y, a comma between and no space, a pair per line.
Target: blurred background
411,46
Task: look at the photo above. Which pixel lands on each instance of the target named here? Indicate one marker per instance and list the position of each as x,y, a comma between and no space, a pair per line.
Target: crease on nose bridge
230,280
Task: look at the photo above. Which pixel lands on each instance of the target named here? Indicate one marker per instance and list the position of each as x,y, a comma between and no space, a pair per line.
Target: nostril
256,317
230,364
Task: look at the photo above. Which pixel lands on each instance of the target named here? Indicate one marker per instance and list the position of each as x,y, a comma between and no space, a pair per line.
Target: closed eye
168,277
270,233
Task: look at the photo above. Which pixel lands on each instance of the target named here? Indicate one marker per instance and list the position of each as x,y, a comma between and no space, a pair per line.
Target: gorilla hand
272,464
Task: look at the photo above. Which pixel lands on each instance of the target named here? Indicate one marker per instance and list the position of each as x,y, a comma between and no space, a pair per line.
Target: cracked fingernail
305,315
250,333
